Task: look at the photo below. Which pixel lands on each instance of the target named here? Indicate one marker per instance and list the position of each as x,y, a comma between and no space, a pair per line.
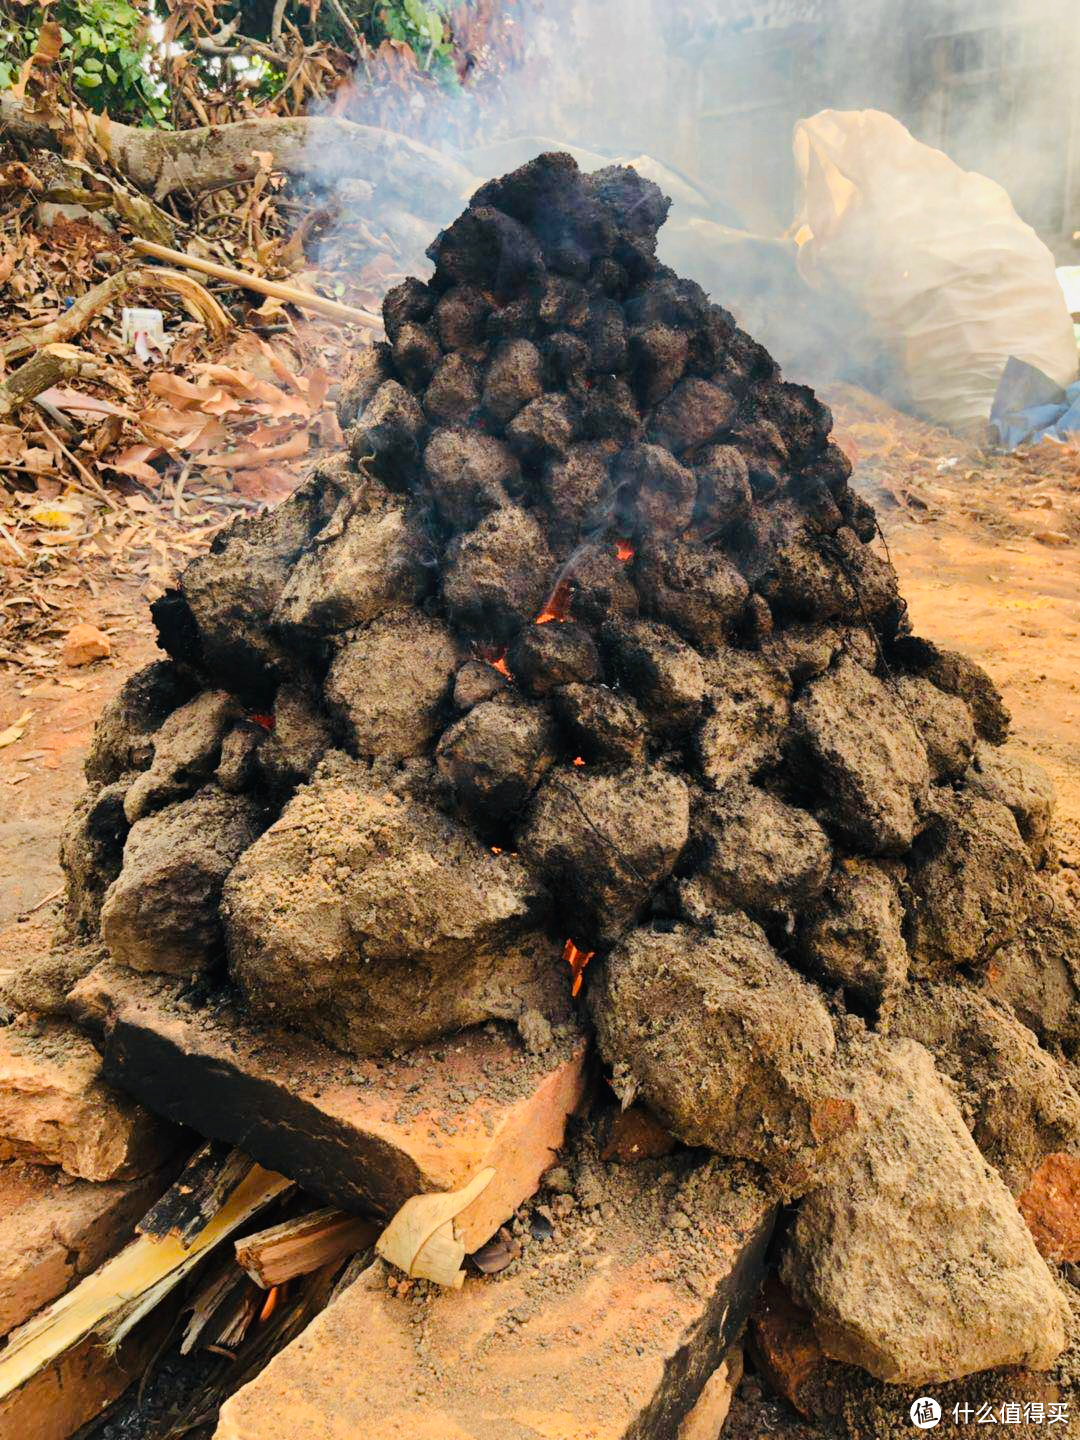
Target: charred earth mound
584,652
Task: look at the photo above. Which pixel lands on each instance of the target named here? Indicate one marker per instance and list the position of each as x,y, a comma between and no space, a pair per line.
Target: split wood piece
303,299
209,1178
709,1415
54,1231
48,367
55,1108
362,1135
296,1247
604,1332
197,299
109,1303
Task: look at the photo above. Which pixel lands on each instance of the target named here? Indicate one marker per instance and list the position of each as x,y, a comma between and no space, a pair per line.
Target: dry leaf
422,1240
16,731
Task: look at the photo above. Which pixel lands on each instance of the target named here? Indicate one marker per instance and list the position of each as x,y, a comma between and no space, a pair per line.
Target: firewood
208,1180
298,1246
304,299
111,1301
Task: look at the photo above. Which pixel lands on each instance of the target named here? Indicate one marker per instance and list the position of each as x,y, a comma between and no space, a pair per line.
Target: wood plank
296,1247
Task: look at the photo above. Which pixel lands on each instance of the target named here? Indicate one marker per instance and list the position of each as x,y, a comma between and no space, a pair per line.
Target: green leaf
91,62
88,82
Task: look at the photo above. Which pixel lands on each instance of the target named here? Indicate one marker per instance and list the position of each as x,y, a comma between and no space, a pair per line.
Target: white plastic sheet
949,275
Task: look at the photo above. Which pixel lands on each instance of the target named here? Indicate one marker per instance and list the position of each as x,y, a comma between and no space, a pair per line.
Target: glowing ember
557,605
578,760
269,1304
265,721
577,960
624,551
498,662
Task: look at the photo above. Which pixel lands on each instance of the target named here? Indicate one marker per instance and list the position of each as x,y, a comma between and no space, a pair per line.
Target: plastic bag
949,275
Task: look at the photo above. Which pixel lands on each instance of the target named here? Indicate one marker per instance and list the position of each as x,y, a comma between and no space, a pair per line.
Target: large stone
913,1256
162,911
607,1332
360,1134
696,590
943,722
499,574
495,756
695,412
374,921
187,749
91,854
1023,786
55,1230
730,1046
756,853
470,475
123,735
389,684
862,757
55,1108
852,936
970,882
367,560
745,717
664,674
1017,1100
1037,974
603,841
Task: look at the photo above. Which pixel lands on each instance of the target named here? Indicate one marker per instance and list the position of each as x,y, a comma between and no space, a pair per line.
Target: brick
785,1349
55,1108
1051,1207
54,1230
606,1331
360,1134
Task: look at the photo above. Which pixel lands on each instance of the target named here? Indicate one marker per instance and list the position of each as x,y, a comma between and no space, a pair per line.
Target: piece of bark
296,1247
48,367
209,1178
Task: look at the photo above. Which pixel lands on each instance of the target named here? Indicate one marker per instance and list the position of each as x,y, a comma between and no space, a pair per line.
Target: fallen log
304,299
162,162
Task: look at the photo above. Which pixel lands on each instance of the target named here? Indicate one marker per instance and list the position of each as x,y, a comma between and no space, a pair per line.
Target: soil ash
583,651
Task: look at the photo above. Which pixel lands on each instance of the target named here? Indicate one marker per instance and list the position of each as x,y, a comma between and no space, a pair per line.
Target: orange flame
578,760
557,605
269,1304
577,960
624,551
499,663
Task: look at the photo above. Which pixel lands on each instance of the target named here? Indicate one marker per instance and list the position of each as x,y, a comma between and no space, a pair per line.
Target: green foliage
423,27
105,50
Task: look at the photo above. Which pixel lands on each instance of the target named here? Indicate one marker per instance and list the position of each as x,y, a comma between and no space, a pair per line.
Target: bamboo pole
303,299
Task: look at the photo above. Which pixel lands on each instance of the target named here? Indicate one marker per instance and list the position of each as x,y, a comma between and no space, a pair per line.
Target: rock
544,656
544,430
696,590
1051,1207
91,854
658,357
852,934
122,739
727,1044
372,921
866,763
695,412
298,739
187,749
635,1134
55,1108
932,1275
755,853
386,437
578,488
603,843
1022,785
368,367
237,769
746,713
664,674
416,354
389,684
1016,1099
161,913
362,1135
365,561
1037,974
476,682
655,493
500,573
83,644
453,397
470,475
943,722
723,489
784,1347
603,727
971,885
956,674
41,984
496,756
513,379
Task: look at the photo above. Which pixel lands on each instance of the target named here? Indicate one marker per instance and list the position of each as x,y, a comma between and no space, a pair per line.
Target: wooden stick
208,1179
47,368
296,1247
303,299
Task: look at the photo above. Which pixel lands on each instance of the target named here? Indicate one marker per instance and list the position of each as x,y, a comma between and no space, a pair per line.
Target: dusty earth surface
987,550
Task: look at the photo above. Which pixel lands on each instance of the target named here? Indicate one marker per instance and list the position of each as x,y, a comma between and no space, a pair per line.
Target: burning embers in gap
790,845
